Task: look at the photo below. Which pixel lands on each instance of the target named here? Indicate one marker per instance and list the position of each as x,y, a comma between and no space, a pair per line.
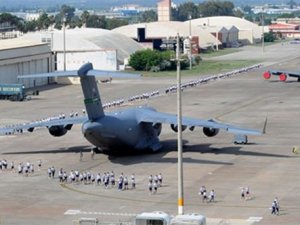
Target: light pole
64,42
179,133
190,40
263,31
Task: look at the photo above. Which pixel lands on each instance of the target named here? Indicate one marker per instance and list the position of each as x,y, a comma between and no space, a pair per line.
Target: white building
19,57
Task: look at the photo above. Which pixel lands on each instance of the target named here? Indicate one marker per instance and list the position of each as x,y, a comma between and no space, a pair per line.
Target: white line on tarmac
77,211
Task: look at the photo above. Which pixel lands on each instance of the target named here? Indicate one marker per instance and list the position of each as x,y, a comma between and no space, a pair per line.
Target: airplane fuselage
120,130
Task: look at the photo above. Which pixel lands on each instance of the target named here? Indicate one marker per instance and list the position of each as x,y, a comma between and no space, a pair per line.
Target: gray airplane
134,129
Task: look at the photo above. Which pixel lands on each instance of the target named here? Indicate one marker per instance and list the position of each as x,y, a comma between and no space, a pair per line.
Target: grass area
205,68
224,51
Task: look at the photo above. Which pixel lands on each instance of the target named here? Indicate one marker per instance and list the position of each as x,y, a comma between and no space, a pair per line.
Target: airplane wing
159,117
49,122
282,74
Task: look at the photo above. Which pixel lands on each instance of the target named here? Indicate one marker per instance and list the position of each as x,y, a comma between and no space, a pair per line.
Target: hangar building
105,49
248,32
19,57
151,34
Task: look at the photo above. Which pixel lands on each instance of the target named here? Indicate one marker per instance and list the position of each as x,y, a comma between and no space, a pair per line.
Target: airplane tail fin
92,100
90,90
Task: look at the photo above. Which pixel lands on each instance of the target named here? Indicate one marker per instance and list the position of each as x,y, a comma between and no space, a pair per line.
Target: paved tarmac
267,164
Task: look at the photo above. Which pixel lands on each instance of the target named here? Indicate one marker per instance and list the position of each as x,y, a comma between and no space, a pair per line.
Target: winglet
265,125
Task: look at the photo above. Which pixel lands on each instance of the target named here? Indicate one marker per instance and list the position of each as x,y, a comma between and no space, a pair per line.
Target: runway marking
72,212
79,212
254,219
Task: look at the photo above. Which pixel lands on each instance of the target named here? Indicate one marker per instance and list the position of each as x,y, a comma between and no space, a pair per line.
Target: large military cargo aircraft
133,129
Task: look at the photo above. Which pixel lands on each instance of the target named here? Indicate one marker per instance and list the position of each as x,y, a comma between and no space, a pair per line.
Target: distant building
19,57
7,31
246,31
281,9
288,20
164,10
286,30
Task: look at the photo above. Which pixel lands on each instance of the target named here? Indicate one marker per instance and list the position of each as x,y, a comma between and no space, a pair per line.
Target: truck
13,92
16,92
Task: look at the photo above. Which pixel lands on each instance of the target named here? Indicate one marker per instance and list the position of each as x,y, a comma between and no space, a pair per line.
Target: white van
152,218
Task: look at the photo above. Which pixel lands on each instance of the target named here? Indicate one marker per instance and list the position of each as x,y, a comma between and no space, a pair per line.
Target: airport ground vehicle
15,92
161,218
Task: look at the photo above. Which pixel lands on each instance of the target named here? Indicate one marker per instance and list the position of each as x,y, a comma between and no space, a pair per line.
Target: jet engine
157,127
175,128
210,132
59,130
282,77
267,75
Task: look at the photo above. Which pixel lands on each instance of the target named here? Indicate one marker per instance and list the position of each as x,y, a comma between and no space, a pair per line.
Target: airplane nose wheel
97,150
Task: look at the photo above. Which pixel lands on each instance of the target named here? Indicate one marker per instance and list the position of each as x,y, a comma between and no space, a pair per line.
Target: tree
269,37
148,16
247,9
115,22
143,60
287,15
238,13
185,11
96,21
216,8
75,22
67,12
43,22
13,20
84,17
153,60
30,26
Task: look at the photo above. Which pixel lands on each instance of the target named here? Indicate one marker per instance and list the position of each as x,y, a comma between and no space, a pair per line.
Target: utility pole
190,40
179,132
64,42
263,31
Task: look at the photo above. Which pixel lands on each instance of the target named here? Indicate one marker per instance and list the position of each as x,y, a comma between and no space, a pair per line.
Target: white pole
179,132
190,40
64,42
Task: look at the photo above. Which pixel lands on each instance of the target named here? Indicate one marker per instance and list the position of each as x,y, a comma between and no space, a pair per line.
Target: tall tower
164,10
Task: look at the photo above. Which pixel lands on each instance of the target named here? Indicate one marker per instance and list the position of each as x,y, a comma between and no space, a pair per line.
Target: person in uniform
133,181
150,187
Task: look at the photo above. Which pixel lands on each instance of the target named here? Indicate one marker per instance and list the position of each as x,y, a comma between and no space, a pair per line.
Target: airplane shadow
287,81
171,146
159,156
75,149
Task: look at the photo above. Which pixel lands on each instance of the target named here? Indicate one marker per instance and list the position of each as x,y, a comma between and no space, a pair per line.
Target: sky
98,4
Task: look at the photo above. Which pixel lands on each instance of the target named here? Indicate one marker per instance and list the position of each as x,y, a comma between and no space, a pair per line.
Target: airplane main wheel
97,150
267,75
282,77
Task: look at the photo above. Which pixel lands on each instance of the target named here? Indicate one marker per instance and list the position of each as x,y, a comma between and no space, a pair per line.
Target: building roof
284,26
168,29
228,21
88,39
18,43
